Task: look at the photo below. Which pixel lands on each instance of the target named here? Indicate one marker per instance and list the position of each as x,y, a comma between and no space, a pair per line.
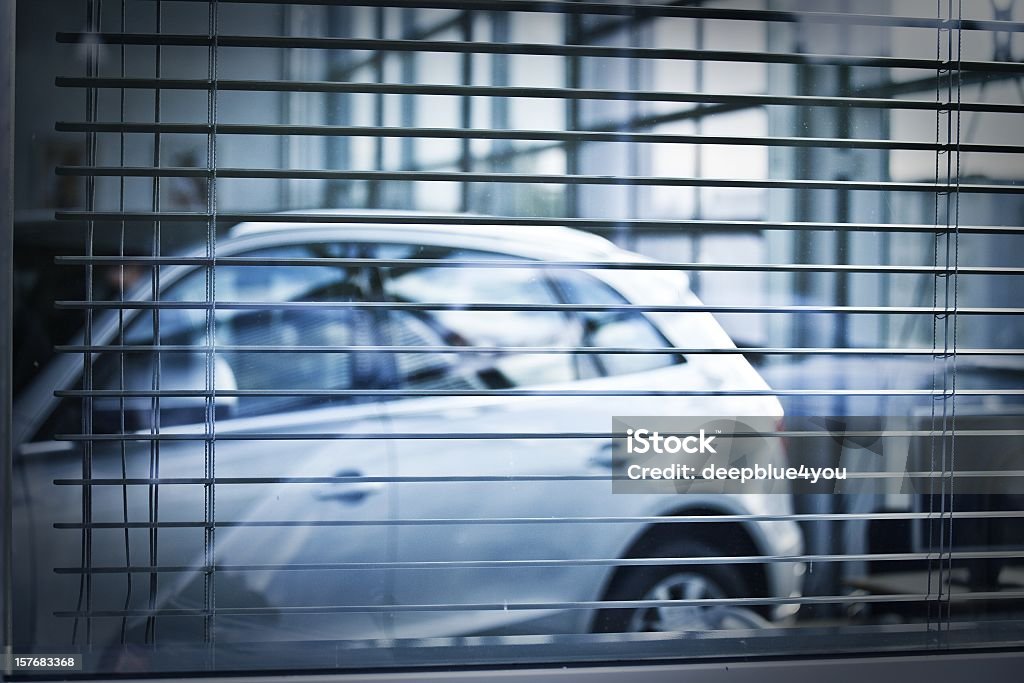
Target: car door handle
349,493
602,458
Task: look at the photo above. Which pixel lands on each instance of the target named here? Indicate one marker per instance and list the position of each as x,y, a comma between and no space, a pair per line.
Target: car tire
677,582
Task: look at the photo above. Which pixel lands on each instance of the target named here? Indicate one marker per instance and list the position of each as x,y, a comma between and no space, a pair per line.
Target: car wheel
678,582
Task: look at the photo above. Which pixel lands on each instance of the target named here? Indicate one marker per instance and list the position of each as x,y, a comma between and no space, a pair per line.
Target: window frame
936,665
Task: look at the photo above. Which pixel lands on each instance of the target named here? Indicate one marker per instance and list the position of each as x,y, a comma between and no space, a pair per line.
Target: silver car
389,493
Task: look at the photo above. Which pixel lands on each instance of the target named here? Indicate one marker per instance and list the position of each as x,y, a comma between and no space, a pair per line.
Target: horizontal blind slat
549,135
644,10
464,479
483,307
675,519
995,596
644,224
743,99
538,49
567,179
531,264
588,562
385,393
611,350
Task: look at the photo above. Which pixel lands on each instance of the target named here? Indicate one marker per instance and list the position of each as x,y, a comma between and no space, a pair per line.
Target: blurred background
731,224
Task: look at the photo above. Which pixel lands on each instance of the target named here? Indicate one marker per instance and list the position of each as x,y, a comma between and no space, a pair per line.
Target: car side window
266,348
422,369
614,329
453,286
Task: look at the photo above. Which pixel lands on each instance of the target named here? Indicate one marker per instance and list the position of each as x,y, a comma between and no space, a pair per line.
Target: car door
292,517
482,470
334,521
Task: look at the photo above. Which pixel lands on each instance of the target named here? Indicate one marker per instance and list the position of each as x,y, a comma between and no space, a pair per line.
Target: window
616,329
427,370
419,267
492,329
489,328
258,335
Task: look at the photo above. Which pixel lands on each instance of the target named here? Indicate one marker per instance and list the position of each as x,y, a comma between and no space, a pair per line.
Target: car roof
552,238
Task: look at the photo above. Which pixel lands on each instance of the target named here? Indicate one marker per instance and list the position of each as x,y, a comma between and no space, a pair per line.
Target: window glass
506,328
424,370
614,329
836,202
272,339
